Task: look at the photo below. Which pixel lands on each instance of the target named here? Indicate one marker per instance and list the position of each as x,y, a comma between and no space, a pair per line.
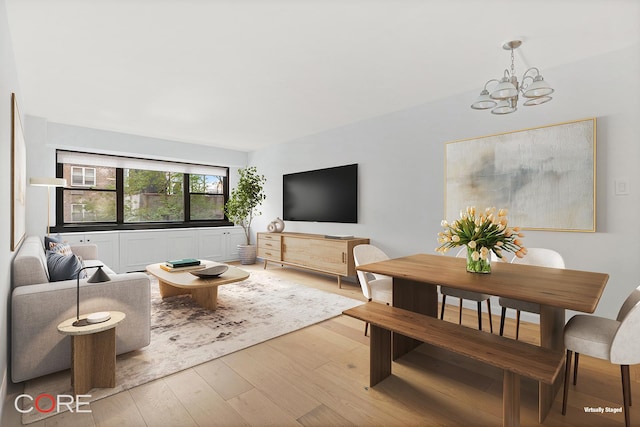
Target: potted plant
241,208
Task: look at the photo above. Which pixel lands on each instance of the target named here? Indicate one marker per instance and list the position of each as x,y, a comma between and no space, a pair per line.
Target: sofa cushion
63,267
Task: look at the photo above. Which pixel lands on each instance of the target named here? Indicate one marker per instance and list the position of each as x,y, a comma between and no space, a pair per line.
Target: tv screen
323,195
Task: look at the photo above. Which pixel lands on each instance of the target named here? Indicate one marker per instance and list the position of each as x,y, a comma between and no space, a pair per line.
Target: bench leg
511,400
379,355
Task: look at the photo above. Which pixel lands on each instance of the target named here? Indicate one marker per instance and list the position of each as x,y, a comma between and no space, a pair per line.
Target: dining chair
541,257
608,339
375,287
468,295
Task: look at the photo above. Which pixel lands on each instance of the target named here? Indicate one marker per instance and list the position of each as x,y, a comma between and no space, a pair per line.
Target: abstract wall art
18,177
545,176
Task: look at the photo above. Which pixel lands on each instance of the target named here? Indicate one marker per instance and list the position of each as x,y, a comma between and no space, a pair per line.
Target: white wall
43,138
401,173
8,84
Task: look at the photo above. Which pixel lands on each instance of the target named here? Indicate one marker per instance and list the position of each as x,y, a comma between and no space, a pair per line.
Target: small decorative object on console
481,234
276,226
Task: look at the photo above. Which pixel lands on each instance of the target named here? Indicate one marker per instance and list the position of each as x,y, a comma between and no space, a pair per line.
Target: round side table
93,352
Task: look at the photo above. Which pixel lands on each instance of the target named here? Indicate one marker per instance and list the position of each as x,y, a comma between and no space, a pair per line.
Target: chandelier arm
492,80
523,85
527,72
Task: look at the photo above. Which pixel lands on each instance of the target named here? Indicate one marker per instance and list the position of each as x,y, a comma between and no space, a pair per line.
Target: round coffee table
204,291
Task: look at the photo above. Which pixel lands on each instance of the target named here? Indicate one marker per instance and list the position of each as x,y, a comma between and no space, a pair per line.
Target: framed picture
545,176
18,177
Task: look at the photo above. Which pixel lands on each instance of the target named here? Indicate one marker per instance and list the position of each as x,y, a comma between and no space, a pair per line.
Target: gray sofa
38,306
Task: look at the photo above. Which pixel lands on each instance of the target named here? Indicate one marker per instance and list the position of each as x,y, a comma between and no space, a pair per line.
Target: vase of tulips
481,233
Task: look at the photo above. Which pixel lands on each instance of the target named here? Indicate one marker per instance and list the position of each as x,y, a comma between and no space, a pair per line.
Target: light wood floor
318,376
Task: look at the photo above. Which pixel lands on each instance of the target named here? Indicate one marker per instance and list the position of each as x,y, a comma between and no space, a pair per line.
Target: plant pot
247,254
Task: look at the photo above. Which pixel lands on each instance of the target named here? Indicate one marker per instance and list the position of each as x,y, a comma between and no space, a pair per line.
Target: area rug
184,335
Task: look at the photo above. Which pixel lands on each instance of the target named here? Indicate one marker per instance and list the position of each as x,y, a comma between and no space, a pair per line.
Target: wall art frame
545,176
18,177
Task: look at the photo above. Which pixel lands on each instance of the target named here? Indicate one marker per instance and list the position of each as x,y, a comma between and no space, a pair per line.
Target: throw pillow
49,241
61,248
63,267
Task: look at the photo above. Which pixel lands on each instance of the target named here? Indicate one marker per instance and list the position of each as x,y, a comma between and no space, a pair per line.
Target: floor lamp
49,183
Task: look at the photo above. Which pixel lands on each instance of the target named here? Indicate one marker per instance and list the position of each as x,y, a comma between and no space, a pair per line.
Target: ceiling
245,74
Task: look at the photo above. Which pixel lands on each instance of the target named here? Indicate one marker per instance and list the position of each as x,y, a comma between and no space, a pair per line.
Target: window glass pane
89,206
207,206
90,177
208,184
152,196
77,176
100,177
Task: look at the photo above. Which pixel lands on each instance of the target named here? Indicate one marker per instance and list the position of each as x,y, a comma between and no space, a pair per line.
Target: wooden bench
516,358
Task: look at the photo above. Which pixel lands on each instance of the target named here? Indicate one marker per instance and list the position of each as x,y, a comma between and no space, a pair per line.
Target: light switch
622,187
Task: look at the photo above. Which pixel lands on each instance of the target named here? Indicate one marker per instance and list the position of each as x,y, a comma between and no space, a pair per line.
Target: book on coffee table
170,269
185,262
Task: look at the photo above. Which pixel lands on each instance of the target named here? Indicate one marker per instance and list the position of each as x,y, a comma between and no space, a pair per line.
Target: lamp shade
48,182
537,101
99,276
504,107
505,89
484,101
537,89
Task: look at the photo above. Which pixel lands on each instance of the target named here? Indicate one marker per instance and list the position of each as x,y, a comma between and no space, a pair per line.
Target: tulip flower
482,231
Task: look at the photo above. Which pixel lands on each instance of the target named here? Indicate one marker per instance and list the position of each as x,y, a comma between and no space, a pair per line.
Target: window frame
119,224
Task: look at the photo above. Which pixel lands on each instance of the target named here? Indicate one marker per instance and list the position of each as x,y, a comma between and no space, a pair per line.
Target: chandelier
503,99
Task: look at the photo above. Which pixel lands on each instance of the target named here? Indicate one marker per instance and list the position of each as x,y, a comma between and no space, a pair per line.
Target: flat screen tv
323,195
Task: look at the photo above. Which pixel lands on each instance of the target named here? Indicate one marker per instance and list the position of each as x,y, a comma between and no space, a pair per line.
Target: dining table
415,287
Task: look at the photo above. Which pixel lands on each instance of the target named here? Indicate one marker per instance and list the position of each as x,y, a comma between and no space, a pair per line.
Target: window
92,194
153,196
206,197
111,192
83,177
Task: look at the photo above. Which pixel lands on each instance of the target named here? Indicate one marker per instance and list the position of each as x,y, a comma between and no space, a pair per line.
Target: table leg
93,361
551,336
167,290
415,296
206,297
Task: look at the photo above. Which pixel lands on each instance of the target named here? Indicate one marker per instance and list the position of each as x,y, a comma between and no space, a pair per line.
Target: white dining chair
613,340
535,256
468,295
375,287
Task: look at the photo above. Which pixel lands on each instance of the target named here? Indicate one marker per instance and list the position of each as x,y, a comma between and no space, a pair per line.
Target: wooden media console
310,251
